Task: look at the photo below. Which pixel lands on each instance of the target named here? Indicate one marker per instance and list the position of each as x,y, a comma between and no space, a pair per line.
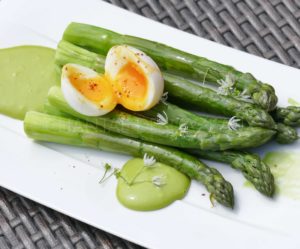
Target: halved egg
135,77
86,91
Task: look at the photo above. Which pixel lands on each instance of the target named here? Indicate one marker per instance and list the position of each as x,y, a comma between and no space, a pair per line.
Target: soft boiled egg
131,79
136,78
86,91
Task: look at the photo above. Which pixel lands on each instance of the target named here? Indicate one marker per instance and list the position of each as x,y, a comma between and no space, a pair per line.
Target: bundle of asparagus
100,40
205,98
245,123
64,130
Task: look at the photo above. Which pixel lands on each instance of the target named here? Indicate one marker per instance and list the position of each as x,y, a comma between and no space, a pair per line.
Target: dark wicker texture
268,28
26,224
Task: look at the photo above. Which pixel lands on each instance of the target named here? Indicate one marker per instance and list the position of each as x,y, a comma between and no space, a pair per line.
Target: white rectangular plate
66,178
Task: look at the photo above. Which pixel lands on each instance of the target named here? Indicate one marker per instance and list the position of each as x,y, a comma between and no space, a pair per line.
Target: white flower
226,85
183,128
222,91
159,181
162,119
233,123
243,95
164,97
230,79
204,78
149,161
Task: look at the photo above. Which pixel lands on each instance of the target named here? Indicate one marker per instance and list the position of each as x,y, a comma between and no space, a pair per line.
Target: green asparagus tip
288,115
221,190
252,167
286,134
256,172
266,97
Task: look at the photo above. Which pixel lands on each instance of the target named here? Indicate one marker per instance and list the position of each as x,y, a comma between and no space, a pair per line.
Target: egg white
76,99
118,56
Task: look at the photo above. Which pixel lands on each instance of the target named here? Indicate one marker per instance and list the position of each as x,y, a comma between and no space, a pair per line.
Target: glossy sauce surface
142,194
285,167
26,74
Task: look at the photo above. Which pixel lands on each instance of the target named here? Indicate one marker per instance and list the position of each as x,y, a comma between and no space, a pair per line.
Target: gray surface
26,224
270,29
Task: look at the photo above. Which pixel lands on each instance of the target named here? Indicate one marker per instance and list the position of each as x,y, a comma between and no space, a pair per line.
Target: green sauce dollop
293,102
26,74
143,194
285,167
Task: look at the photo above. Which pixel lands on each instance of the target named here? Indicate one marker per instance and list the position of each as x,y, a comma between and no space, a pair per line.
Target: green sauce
143,194
26,74
286,169
293,102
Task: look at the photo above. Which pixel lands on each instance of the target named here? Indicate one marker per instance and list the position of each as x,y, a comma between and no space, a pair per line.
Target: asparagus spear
167,134
50,109
289,115
208,100
100,40
178,116
252,167
285,134
67,52
63,130
201,97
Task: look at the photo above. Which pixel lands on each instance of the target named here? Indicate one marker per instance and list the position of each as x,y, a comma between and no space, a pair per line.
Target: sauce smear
153,187
26,74
286,170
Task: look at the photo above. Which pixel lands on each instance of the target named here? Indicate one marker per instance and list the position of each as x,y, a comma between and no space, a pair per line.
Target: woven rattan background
268,28
25,224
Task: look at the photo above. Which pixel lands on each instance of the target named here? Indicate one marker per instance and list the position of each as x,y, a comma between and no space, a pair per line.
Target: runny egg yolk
131,86
96,89
131,79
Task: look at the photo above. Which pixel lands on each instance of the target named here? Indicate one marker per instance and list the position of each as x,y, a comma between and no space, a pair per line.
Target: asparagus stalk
178,116
208,100
100,40
177,87
249,164
50,109
289,115
167,134
252,167
44,127
285,134
67,52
